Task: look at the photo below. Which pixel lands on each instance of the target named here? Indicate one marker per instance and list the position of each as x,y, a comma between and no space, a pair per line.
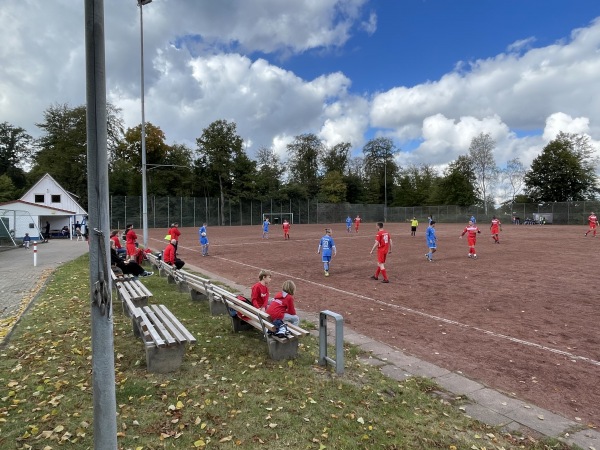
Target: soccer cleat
469,255
427,255
385,281
326,273
373,277
474,256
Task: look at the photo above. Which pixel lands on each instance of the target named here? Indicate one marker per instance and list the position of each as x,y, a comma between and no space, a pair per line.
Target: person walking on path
328,246
383,244
26,241
496,228
471,231
414,223
431,239
593,224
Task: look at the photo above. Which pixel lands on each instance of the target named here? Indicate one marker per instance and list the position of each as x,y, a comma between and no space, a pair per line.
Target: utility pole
103,363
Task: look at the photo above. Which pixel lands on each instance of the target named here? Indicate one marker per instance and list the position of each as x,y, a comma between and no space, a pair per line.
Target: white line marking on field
430,316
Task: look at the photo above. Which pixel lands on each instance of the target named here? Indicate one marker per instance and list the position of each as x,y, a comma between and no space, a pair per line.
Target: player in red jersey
174,232
260,291
471,230
383,244
286,229
593,223
130,242
496,228
357,222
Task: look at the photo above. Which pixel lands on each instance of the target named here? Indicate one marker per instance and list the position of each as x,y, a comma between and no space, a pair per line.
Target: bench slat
159,326
175,323
150,333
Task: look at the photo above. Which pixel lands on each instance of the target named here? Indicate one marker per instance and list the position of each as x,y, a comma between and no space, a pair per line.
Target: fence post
34,253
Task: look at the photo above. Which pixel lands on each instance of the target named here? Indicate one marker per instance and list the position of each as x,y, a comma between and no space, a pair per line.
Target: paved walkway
20,282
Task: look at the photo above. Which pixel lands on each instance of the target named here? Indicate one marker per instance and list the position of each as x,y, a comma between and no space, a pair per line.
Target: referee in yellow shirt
414,223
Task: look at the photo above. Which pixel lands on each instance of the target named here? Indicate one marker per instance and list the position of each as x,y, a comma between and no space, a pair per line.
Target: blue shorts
431,244
326,258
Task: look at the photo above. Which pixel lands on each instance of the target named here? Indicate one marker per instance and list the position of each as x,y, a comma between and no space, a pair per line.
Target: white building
46,205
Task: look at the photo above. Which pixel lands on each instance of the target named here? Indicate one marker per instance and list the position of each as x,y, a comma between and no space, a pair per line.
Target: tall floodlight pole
385,188
103,363
141,4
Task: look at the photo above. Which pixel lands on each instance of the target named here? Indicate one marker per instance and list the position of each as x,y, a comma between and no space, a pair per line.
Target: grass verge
227,394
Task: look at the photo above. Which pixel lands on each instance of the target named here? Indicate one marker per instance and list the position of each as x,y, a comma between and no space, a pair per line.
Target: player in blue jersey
327,245
431,240
349,224
266,224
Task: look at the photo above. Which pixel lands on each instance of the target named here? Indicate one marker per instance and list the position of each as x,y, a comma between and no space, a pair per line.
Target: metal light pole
385,188
141,4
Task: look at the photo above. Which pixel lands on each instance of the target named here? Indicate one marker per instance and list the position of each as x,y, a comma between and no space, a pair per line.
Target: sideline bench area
164,336
243,315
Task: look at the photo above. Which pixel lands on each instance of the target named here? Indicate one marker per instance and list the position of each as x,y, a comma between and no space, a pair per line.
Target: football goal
278,217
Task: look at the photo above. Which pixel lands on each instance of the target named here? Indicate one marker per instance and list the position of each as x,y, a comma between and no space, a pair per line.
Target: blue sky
430,74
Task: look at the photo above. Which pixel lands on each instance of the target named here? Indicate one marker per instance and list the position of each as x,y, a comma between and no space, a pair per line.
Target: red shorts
495,230
592,226
471,241
131,249
381,256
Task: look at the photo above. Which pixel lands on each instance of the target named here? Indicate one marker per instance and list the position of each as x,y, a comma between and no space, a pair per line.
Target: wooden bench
164,337
131,290
197,286
153,260
247,317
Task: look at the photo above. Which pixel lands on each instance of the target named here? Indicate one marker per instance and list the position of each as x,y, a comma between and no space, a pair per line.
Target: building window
56,198
39,198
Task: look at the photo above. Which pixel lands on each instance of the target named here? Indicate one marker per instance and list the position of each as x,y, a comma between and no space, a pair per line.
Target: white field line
423,314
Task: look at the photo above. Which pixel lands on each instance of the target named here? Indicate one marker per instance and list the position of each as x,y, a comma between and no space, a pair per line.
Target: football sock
377,272
384,273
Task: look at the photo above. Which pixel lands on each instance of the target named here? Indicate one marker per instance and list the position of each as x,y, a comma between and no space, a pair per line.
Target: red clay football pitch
522,318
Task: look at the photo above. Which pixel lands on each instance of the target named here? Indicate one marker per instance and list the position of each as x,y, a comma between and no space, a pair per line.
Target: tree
415,186
380,168
564,171
457,187
514,175
337,158
219,148
333,188
63,147
268,179
16,148
8,191
305,152
481,152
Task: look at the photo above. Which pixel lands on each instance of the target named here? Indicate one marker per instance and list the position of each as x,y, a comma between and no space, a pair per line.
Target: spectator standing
328,246
174,232
130,242
383,244
47,230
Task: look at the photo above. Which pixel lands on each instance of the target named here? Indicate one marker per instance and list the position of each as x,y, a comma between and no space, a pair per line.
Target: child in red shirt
260,291
282,306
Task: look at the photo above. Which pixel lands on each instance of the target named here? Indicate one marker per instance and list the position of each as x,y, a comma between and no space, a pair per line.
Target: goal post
278,218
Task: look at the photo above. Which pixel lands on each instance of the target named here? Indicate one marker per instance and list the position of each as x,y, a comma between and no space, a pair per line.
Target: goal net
278,217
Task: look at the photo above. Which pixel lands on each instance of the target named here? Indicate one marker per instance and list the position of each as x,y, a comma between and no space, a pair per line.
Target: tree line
565,169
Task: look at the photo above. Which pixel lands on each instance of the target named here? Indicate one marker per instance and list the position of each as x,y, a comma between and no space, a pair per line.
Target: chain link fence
193,212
